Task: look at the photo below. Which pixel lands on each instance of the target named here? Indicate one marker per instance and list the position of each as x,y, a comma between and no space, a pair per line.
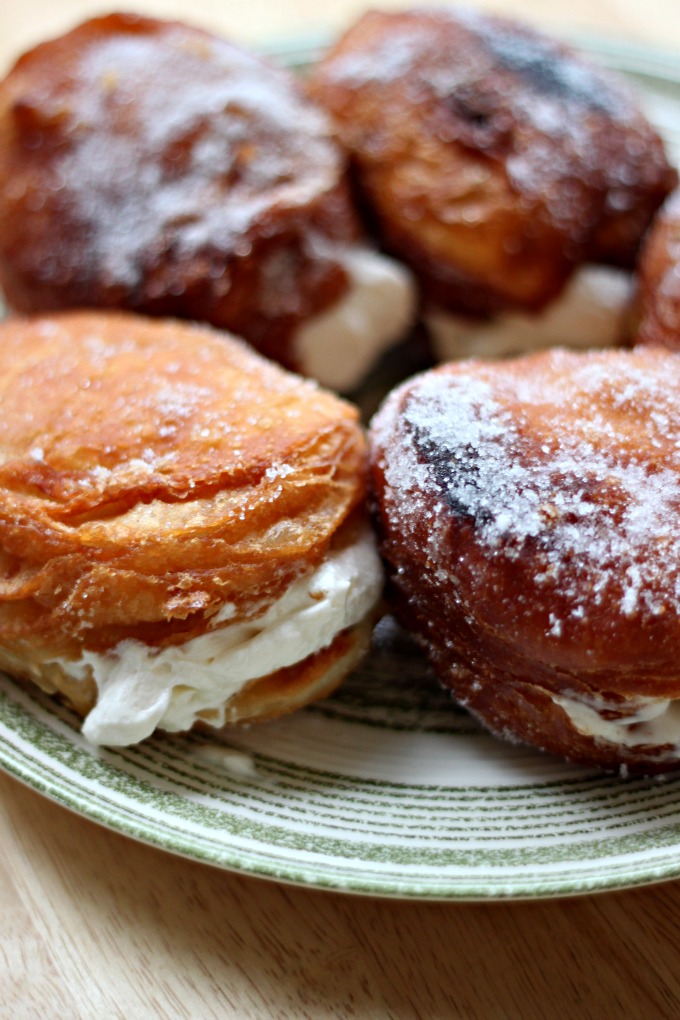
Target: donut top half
492,157
152,471
151,166
534,506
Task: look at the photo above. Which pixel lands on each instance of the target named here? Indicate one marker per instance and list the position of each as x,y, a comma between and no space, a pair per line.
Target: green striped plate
387,788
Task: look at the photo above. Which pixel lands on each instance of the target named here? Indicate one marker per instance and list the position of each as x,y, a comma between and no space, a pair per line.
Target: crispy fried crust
528,515
150,166
659,280
492,158
152,472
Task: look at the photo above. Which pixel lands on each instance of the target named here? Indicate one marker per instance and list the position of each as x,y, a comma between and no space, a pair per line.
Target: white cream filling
339,346
653,721
590,312
141,688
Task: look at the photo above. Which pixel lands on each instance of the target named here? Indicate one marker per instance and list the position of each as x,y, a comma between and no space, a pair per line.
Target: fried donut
659,280
492,158
183,536
529,516
150,166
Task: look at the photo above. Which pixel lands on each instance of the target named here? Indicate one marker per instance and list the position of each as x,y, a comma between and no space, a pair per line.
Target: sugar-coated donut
151,166
492,158
529,516
183,535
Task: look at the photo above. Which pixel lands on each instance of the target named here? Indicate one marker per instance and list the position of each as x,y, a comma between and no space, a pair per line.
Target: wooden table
95,925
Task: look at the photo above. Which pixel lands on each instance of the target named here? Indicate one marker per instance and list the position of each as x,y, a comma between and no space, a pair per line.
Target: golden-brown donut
148,165
658,303
492,158
529,516
182,533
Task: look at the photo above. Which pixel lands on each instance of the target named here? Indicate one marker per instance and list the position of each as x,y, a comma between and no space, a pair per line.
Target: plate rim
636,61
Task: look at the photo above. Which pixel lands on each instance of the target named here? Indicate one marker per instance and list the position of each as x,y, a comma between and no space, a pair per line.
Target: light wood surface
95,925
26,22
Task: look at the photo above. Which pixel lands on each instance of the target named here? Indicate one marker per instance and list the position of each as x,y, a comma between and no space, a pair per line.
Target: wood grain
95,925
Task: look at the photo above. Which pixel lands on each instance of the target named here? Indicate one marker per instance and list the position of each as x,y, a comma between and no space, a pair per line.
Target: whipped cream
650,721
339,346
141,687
590,312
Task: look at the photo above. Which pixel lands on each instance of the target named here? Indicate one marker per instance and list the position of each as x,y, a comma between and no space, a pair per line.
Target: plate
387,788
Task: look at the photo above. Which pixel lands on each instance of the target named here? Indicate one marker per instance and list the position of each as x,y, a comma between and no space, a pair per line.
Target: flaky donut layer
152,472
528,514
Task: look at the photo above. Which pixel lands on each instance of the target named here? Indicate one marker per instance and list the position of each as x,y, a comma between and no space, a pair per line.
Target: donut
492,159
528,514
658,279
150,166
183,533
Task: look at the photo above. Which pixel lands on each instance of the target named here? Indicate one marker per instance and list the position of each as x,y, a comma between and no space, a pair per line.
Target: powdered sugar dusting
575,464
173,143
570,136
